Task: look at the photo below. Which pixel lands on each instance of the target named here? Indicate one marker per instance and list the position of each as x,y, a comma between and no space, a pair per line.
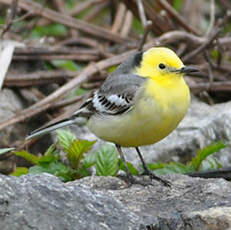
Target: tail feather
52,127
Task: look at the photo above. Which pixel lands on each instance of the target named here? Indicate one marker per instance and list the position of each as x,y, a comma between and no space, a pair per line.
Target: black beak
188,69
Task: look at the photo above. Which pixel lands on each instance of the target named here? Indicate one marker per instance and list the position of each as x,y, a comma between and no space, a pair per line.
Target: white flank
119,101
97,104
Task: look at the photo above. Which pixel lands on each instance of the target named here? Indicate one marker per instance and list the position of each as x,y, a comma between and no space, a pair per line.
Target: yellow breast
164,104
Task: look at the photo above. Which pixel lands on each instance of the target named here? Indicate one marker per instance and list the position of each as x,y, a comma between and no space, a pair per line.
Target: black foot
152,176
130,180
149,173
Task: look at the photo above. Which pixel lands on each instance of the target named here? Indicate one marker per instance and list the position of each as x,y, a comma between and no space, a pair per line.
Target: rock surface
43,202
9,105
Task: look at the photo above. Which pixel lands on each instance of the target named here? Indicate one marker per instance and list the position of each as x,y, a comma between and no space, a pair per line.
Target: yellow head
160,62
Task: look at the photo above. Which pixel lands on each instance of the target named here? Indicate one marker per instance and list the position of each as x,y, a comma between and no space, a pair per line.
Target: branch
212,37
179,18
146,24
212,17
11,15
69,21
118,22
38,78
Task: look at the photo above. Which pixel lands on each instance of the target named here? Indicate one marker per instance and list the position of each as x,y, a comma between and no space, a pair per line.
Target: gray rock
9,105
191,203
43,202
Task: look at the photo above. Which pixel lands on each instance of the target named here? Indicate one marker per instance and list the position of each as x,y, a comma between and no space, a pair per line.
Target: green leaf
55,168
50,155
112,69
50,150
66,65
19,171
131,167
6,150
54,29
107,163
154,166
76,151
177,4
70,4
210,163
65,139
79,92
137,26
81,172
174,167
215,54
76,92
27,156
89,160
204,153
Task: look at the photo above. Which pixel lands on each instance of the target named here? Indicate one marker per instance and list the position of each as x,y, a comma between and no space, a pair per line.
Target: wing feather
115,96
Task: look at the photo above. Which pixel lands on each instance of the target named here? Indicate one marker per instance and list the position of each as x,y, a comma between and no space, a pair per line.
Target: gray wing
115,96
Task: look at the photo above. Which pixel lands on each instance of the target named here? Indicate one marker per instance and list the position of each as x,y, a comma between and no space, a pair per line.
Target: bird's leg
129,175
130,178
149,173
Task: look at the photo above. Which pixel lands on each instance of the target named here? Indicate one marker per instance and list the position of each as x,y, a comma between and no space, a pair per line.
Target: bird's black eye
162,66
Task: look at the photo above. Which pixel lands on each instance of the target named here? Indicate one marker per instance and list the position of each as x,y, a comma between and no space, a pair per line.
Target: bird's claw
152,176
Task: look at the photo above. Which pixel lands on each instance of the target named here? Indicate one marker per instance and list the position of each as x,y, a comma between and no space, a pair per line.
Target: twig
127,24
10,17
38,78
226,3
141,12
119,18
96,11
26,15
80,7
179,18
146,24
59,5
182,36
57,53
224,173
147,28
69,101
212,37
79,41
31,94
224,86
159,25
212,17
210,67
52,15
75,57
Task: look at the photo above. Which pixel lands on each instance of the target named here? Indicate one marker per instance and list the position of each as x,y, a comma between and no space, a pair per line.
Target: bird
140,103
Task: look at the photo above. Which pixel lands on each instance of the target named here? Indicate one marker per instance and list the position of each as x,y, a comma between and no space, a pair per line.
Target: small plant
105,160
51,161
201,162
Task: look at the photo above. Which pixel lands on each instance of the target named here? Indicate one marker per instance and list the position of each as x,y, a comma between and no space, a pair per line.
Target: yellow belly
156,114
